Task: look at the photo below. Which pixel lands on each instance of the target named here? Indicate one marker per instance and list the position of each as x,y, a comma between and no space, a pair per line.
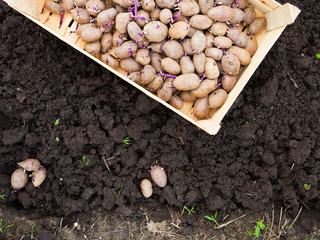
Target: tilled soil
268,147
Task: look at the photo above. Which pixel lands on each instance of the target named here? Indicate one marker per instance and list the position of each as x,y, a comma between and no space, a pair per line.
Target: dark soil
267,149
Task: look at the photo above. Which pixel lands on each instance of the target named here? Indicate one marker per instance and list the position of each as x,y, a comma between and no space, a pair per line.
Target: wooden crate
278,17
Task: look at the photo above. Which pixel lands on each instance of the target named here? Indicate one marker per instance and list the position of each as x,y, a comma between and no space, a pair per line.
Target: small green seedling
32,232
2,196
318,55
259,226
214,219
126,140
57,122
57,139
10,225
119,190
307,186
84,161
190,211
1,226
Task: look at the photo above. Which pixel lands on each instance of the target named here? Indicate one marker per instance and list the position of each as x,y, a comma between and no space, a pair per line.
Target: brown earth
267,149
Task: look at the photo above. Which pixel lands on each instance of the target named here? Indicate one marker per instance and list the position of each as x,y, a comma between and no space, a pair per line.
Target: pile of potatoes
181,50
19,177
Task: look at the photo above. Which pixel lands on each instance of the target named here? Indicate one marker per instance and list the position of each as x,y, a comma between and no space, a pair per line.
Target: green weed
259,226
119,190
214,219
126,140
2,196
57,122
32,232
84,161
307,186
190,211
318,55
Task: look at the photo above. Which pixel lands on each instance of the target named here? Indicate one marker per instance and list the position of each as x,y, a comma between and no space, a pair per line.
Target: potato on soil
214,53
125,50
219,29
201,108
201,21
165,92
241,53
199,61
155,31
189,8
148,5
186,82
93,47
221,13
122,21
238,37
217,98
80,15
30,164
67,5
110,60
198,42
53,6
222,42
147,74
130,65
252,45
146,18
230,64
206,87
186,96
257,25
106,42
39,176
179,30
249,15
143,56
228,82
155,84
19,179
106,16
171,66
186,65
205,5
211,69
94,7
176,101
165,16
173,49
146,188
156,62
159,176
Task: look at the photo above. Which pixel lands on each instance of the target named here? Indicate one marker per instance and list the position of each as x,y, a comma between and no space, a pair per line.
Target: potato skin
146,188
238,37
176,101
230,64
214,53
171,66
222,42
148,5
186,65
165,16
110,60
80,15
241,53
199,61
123,51
106,16
219,28
147,74
156,31
211,69
221,13
252,45
165,92
249,15
257,25
200,22
155,84
228,82
93,47
217,98
173,49
201,108
30,164
94,7
39,176
206,87
198,41
159,176
122,21
186,82
130,65
19,178
90,34
143,56
179,30
186,96
52,6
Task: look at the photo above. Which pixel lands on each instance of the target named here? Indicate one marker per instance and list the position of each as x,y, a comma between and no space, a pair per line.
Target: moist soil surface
266,155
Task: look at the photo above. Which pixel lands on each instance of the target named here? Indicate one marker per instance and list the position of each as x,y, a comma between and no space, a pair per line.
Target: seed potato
170,66
206,87
156,62
93,47
186,96
53,6
186,82
189,8
199,61
211,69
147,74
205,5
148,5
94,7
130,65
106,16
221,13
125,50
228,82
122,21
165,16
135,32
241,53
186,65
222,42
179,30
249,15
143,56
209,38
39,176
176,101
110,60
198,42
201,22
252,45
237,17
238,37
217,98
67,5
230,64
106,42
219,29
165,92
19,179
257,25
146,188
90,34
156,83
214,53
186,44
173,49
201,108
159,176
155,31
80,15
169,4
30,164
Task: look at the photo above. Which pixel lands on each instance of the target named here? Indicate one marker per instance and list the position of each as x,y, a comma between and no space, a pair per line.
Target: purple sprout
118,44
128,74
140,34
166,75
203,76
61,18
178,14
150,90
158,25
131,52
136,3
110,23
42,10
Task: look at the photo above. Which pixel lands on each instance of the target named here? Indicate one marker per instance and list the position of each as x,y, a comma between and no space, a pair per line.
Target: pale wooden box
278,17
